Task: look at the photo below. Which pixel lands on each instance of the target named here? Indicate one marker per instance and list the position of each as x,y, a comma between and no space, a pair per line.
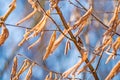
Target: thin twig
17,26
103,49
44,67
75,42
29,28
99,60
98,12
104,26
52,20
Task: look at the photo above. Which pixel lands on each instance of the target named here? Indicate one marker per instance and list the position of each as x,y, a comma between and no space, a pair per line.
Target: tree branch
75,42
53,21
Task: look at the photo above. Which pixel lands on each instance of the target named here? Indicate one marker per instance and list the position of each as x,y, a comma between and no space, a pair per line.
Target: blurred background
58,62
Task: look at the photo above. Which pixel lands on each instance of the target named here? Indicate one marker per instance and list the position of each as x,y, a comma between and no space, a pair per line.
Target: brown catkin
113,72
50,45
75,67
4,35
14,67
25,65
67,47
59,39
35,30
29,74
84,18
115,47
31,14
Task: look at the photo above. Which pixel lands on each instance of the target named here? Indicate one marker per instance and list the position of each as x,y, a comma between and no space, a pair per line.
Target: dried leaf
35,30
25,65
84,68
34,6
4,34
39,27
115,47
80,29
72,69
27,17
113,23
75,67
107,41
32,45
50,45
113,72
116,44
67,47
29,74
83,18
14,67
109,58
115,16
27,33
59,40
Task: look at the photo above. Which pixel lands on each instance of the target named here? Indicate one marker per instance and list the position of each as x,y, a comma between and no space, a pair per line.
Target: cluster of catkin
107,42
106,46
15,72
5,33
53,76
37,28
